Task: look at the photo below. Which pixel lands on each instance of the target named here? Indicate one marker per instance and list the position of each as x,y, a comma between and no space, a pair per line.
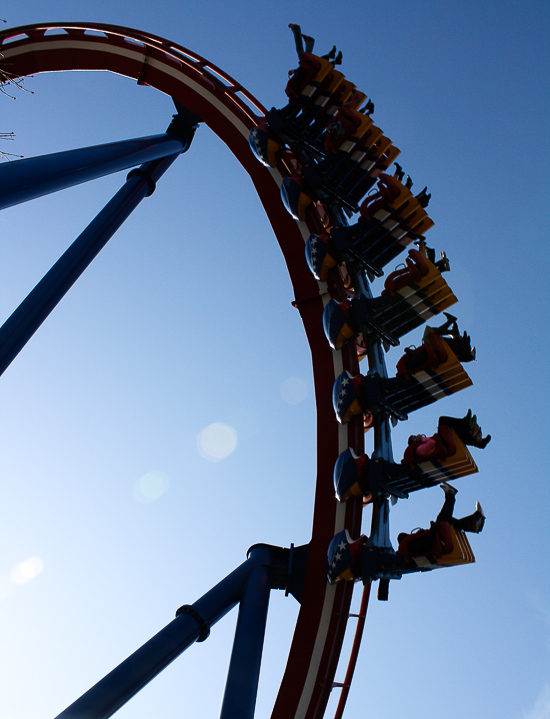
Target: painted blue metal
241,687
380,523
24,180
27,318
120,685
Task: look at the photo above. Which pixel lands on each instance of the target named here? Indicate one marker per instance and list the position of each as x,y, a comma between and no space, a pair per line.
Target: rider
460,344
309,64
437,540
441,445
309,44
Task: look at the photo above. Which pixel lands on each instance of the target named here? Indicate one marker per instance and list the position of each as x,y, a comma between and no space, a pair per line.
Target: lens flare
217,441
150,487
293,390
27,570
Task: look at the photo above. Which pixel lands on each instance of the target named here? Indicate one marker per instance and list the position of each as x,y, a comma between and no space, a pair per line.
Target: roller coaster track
230,111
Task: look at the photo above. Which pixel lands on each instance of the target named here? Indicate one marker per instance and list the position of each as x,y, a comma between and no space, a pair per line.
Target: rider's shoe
448,489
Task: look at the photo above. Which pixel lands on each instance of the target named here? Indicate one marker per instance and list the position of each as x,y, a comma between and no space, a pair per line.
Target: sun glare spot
150,486
293,390
27,570
217,441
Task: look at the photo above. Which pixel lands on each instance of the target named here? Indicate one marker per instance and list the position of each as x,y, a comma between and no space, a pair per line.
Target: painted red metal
230,111
361,618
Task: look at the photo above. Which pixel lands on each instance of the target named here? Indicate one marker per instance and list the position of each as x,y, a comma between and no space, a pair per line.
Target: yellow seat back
462,551
461,554
457,465
313,84
452,375
348,88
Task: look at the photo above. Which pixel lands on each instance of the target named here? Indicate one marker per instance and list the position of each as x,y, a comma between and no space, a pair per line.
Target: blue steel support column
120,685
241,687
27,318
23,180
377,363
380,525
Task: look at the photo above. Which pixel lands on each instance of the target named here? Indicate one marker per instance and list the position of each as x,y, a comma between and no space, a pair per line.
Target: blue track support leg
120,685
243,676
30,314
23,180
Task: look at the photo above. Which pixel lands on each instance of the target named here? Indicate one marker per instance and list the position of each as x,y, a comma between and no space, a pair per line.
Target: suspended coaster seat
355,395
389,231
411,305
461,553
309,75
317,112
356,476
429,384
345,130
391,315
362,163
354,161
305,123
458,464
339,176
391,219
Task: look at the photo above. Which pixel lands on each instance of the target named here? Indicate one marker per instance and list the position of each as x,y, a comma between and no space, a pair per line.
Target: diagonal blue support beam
27,318
23,180
120,685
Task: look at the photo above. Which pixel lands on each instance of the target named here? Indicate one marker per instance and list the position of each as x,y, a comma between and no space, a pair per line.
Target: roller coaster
321,168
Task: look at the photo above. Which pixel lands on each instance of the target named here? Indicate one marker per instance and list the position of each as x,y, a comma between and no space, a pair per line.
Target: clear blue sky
184,321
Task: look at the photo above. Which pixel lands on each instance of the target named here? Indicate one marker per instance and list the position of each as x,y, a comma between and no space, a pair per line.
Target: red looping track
230,111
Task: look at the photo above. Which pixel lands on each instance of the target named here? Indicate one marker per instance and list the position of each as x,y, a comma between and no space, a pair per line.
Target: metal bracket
203,626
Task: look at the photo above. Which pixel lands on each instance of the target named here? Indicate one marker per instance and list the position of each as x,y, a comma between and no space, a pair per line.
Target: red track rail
230,111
